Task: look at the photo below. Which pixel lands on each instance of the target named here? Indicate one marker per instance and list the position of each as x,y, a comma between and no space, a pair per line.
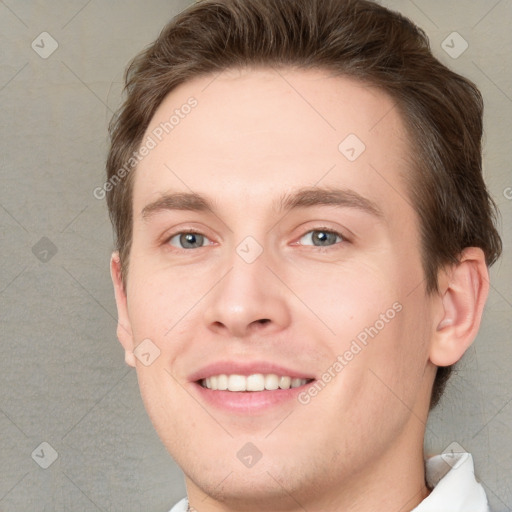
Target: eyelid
339,233
345,234
166,238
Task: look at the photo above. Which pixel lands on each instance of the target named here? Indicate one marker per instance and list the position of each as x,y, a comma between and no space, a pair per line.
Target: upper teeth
255,382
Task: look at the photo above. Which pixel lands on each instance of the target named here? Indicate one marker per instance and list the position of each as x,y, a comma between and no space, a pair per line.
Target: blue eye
188,240
322,238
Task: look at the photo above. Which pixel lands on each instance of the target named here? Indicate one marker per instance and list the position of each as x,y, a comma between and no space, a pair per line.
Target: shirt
452,477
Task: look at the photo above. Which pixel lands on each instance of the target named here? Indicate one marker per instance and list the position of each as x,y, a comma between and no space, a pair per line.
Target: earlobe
124,330
463,292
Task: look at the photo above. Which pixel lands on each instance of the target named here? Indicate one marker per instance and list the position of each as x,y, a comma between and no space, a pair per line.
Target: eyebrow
306,197
318,196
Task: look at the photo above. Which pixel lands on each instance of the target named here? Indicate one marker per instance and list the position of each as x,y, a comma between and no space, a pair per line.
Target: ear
124,329
463,290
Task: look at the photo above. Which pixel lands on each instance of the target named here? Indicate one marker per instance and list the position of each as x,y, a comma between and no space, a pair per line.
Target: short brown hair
356,38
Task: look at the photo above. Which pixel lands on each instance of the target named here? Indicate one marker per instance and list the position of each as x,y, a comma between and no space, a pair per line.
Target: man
303,242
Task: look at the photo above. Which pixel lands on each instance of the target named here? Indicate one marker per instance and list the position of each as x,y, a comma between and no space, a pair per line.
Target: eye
188,240
321,238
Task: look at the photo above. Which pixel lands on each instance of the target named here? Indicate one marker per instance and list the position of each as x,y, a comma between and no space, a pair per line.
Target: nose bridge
248,295
249,270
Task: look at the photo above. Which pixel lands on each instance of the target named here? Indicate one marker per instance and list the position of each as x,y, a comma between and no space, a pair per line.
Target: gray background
62,371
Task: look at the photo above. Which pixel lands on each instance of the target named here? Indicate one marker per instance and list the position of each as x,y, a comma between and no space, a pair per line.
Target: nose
248,299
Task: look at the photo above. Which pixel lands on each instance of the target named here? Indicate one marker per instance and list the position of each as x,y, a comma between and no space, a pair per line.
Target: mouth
248,388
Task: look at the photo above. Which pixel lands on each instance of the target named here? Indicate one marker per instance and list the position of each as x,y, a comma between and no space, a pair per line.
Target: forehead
245,134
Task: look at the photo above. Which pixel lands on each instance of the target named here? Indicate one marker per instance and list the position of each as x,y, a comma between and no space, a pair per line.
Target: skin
255,135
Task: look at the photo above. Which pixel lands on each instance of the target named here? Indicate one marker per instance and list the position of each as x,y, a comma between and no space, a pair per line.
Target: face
274,245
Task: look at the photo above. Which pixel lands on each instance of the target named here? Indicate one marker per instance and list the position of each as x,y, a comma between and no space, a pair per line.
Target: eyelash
186,232
325,230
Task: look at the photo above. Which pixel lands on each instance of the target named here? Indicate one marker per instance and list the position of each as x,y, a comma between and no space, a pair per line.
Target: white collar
453,479
455,488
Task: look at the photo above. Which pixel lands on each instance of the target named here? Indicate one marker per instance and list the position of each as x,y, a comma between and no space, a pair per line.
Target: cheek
146,309
381,333
398,356
348,297
159,299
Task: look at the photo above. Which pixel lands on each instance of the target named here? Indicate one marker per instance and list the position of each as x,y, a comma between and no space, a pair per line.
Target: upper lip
246,368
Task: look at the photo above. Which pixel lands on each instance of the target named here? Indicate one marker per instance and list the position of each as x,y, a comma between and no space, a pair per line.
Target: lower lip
248,401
